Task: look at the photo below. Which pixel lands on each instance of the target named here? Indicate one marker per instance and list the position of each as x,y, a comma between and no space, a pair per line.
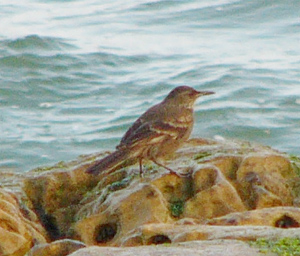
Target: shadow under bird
156,134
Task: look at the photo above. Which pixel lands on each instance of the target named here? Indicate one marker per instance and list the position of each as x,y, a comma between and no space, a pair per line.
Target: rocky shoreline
227,193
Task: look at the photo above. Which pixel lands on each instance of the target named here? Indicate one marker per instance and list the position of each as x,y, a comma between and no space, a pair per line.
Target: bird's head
185,96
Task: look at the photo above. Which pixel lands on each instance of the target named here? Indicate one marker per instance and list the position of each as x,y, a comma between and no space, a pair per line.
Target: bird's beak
202,93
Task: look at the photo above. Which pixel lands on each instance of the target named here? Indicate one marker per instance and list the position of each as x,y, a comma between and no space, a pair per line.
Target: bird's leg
141,167
167,168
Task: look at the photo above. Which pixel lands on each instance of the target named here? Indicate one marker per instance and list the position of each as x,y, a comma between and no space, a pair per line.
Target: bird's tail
109,163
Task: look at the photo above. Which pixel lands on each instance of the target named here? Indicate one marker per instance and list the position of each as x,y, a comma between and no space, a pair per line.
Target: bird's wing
151,132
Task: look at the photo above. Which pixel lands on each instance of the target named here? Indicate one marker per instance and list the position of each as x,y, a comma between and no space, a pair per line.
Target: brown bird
156,134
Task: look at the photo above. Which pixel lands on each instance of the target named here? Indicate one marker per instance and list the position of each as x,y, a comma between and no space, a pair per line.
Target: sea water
75,74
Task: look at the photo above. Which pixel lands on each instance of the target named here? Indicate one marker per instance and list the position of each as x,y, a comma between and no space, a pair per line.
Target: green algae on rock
282,247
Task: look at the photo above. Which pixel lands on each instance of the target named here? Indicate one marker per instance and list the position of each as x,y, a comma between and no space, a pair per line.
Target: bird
156,134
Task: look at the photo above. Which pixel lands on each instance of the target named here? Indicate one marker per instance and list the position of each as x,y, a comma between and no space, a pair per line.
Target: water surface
75,74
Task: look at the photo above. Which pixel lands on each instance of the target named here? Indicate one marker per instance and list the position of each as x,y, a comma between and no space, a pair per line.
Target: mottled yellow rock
56,195
214,195
150,234
57,248
264,181
217,185
218,182
19,230
228,165
173,187
282,217
121,212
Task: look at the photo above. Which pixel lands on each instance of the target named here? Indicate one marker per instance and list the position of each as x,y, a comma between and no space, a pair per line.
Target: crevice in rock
105,232
286,222
159,239
49,223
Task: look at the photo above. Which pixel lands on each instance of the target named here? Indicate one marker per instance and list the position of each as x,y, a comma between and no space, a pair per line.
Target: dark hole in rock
159,239
50,224
286,222
105,232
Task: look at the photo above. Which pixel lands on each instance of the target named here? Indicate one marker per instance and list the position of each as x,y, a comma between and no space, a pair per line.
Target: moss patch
295,160
59,165
282,247
117,185
177,208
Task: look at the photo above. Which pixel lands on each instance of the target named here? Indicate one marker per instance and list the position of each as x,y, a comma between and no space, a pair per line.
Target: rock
57,248
281,217
265,181
56,193
197,248
150,234
214,185
19,226
214,195
223,190
121,212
